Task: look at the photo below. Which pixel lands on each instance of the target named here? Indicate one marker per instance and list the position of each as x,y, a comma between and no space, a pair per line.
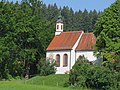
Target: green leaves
108,30
85,75
24,36
48,67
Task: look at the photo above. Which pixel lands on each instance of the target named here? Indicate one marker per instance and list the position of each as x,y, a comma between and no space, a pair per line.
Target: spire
59,25
59,18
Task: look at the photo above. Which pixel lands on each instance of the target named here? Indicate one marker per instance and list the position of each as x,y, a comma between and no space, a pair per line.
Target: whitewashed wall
61,69
88,54
73,53
72,57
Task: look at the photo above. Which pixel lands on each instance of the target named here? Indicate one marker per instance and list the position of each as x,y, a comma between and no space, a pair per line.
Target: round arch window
65,60
57,60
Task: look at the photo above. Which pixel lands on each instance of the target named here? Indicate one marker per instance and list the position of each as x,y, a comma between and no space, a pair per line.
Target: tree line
73,20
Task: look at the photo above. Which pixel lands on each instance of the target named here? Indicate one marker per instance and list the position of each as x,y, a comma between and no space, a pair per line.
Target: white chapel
66,47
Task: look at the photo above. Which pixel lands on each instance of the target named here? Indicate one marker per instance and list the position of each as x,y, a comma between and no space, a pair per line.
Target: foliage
114,66
24,35
85,75
79,20
73,20
48,68
107,30
82,59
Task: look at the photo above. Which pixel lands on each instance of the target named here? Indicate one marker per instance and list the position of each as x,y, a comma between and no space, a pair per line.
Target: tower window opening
61,27
57,26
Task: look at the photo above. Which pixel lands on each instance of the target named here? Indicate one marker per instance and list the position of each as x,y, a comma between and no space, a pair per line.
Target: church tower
59,26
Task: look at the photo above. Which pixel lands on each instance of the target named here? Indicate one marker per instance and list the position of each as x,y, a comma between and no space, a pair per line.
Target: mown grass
51,80
22,86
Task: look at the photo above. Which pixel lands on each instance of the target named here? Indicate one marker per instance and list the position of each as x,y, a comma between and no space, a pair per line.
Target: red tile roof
86,42
64,41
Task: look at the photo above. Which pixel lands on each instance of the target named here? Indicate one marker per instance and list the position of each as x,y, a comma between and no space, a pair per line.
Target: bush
113,65
97,77
9,77
48,68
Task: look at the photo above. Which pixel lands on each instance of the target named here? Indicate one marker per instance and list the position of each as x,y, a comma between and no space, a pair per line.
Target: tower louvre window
61,27
57,26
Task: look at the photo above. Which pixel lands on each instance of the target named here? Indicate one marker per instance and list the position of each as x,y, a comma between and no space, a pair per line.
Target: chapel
66,47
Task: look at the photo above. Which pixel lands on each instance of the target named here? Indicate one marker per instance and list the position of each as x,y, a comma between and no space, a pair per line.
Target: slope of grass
51,80
22,86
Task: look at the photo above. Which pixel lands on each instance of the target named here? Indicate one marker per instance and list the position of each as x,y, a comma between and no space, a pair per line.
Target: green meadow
21,86
51,82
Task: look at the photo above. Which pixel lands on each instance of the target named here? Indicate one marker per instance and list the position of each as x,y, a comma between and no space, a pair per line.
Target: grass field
22,86
51,80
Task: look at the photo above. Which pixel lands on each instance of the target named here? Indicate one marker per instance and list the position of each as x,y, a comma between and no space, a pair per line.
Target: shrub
95,77
48,68
113,65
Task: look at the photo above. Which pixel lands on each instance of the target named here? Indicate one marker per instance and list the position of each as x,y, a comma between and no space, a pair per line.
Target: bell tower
59,25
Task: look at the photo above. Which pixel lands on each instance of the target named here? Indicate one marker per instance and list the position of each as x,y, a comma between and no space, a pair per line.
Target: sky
76,5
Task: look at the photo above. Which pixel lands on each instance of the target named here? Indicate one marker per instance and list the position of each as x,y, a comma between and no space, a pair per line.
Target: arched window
65,60
57,60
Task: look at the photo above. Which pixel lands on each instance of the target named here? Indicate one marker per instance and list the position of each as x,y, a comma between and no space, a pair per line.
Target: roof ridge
89,33
72,31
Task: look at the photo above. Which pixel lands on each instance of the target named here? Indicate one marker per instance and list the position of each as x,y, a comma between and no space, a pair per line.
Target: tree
67,18
107,30
93,15
85,21
77,20
85,75
24,36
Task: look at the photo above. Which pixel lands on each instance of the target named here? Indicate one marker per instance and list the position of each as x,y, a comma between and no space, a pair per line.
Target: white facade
72,57
61,69
87,54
